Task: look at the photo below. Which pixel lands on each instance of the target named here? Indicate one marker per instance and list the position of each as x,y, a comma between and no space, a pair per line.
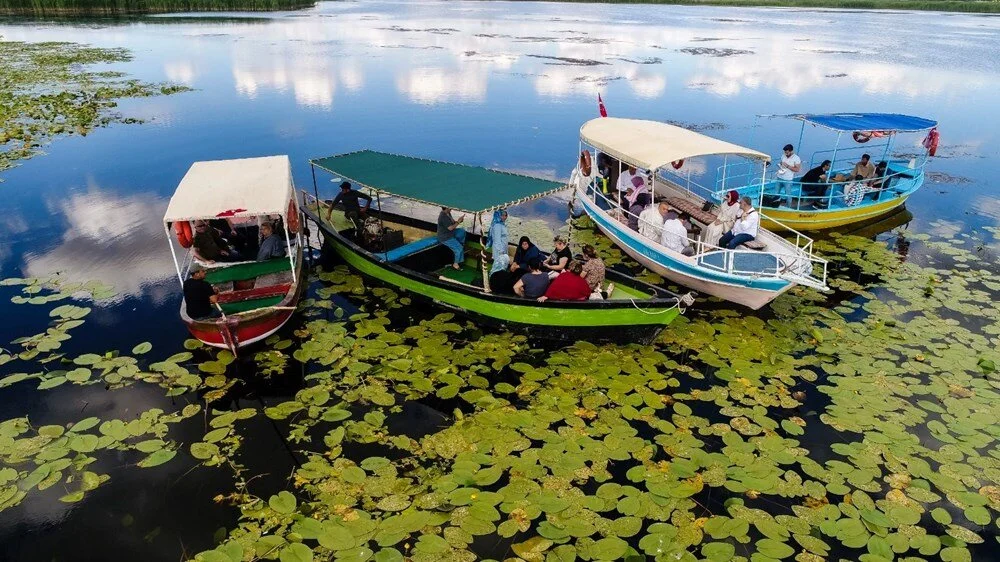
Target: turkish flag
600,106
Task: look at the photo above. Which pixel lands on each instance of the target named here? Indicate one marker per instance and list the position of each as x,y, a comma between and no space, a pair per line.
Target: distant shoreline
89,8
964,6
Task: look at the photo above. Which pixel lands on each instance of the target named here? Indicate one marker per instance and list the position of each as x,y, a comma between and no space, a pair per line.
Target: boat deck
748,262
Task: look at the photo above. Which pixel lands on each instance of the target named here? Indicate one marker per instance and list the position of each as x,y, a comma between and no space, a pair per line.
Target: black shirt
196,296
350,199
502,282
813,175
555,256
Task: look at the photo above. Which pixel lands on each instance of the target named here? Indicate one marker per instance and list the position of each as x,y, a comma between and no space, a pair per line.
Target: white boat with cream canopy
751,275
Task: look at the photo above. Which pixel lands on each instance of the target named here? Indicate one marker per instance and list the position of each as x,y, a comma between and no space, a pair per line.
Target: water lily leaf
141,348
941,515
963,534
296,552
718,551
532,549
432,544
388,555
336,537
611,548
978,515
157,458
204,451
284,502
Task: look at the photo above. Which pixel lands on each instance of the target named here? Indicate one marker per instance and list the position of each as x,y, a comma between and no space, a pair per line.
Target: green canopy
464,188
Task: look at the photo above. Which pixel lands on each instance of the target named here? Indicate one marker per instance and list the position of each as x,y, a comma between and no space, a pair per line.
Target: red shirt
568,287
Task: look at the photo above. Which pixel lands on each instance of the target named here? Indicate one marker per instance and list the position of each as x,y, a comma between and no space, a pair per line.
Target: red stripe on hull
245,332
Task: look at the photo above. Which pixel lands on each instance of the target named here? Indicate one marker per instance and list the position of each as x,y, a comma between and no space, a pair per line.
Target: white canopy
233,188
652,145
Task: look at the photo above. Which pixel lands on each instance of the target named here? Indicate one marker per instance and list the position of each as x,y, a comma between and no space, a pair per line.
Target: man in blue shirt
271,246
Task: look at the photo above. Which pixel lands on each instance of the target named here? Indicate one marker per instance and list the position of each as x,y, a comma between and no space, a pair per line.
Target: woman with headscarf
526,251
497,240
729,211
638,188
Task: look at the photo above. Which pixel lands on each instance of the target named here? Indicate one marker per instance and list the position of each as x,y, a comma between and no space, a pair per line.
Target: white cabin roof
233,188
651,145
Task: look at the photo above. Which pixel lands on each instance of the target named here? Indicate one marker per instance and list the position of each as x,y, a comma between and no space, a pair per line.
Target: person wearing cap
352,208
199,295
789,165
210,247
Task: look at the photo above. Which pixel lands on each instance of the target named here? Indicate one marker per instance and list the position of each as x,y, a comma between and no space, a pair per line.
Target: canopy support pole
802,132
381,224
833,162
888,144
760,192
312,167
288,247
173,252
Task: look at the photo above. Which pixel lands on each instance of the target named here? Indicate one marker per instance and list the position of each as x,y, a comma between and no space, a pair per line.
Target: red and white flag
600,106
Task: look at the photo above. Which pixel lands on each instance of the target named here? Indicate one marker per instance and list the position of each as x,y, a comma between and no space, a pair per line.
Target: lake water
500,84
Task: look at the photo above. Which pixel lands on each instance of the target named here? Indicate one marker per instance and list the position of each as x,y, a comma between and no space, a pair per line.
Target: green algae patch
49,90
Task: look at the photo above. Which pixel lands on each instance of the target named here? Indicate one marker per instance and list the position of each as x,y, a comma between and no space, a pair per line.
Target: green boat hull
620,320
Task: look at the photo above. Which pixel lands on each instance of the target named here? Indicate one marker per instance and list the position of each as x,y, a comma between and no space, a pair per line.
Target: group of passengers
217,240
736,223
528,273
864,179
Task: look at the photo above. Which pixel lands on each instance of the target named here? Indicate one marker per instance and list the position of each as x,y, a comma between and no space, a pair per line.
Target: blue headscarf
497,220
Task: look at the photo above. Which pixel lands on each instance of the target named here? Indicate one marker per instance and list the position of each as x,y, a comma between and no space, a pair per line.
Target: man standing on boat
199,295
352,208
789,165
450,235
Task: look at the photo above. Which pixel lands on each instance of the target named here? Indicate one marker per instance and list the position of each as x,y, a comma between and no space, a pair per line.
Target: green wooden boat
634,312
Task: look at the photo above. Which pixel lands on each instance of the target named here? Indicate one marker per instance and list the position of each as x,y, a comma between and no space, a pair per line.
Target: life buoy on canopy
585,163
677,164
183,231
292,220
861,136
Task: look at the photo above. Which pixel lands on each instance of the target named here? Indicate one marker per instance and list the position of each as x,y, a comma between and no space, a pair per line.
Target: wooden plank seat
255,293
246,270
754,245
692,209
414,247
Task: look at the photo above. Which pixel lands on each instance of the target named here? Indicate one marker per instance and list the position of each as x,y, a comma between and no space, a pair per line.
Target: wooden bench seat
692,209
255,293
754,245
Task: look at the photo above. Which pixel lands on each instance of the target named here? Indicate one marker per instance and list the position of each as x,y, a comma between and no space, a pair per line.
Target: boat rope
676,305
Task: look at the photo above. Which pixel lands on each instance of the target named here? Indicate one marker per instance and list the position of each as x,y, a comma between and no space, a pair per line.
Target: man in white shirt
789,165
745,229
675,235
651,220
625,182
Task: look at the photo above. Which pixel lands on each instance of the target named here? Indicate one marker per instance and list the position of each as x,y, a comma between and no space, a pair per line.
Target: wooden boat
255,299
752,275
834,208
634,312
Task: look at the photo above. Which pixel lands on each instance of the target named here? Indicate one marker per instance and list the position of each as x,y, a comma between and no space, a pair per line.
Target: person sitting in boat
814,182
593,268
637,189
854,192
532,284
625,182
651,220
271,245
497,240
675,234
199,295
640,204
449,235
746,227
560,257
502,282
568,286
210,247
352,208
526,251
729,211
879,180
864,168
789,165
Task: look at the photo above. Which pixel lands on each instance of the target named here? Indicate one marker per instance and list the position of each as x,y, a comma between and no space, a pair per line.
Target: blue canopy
893,122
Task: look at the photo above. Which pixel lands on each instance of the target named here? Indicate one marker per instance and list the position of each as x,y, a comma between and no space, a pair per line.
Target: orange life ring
861,136
183,231
585,163
677,164
293,217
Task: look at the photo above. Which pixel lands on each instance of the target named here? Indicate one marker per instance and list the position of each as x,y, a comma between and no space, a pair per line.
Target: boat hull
822,219
684,271
245,333
618,320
